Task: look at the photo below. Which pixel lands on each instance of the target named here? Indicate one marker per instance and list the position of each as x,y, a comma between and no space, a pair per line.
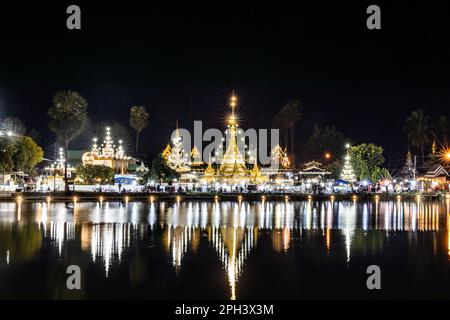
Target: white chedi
347,173
177,160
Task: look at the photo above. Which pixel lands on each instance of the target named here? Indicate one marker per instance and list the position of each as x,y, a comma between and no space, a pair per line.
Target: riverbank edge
146,197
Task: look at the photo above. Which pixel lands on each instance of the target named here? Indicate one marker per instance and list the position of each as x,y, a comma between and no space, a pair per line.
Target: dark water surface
225,250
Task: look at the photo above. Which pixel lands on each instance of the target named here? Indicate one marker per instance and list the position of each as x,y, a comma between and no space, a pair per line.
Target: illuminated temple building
231,169
109,154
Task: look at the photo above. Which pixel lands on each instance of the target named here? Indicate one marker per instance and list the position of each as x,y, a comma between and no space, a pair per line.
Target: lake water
225,250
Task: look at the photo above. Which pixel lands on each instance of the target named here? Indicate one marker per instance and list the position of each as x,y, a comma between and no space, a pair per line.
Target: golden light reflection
232,230
448,235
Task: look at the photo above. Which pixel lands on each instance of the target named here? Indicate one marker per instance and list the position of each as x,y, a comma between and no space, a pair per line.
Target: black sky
182,60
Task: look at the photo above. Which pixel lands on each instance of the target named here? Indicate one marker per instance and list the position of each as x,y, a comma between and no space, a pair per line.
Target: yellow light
178,198
399,198
151,198
309,197
101,199
126,198
216,198
444,155
354,197
286,198
49,199
263,198
327,155
447,196
377,197
240,198
75,199
332,198
19,198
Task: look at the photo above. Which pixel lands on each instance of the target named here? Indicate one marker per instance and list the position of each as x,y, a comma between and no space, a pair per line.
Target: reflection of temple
105,231
313,172
108,242
109,154
233,245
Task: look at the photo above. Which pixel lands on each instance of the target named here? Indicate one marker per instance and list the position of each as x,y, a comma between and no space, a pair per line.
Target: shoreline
146,197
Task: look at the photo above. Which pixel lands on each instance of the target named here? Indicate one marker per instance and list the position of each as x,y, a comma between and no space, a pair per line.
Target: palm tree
287,118
280,122
417,129
68,117
441,129
138,121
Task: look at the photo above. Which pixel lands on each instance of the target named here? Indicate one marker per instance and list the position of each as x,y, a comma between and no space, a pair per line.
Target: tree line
69,117
326,144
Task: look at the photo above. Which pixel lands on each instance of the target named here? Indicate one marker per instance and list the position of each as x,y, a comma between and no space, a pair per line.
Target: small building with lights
109,154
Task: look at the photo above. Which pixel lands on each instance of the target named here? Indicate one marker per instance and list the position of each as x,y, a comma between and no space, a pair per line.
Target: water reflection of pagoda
233,245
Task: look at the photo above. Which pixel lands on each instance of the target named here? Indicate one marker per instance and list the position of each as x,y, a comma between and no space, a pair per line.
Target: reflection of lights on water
152,215
19,210
347,223
109,241
448,234
60,231
365,216
7,257
233,246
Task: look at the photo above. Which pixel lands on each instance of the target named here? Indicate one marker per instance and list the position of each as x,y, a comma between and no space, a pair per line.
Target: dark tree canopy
324,140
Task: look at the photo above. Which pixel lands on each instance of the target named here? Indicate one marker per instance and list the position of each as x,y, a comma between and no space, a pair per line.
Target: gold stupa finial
232,118
233,101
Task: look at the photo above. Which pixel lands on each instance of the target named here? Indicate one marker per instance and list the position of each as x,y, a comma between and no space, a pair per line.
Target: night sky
182,62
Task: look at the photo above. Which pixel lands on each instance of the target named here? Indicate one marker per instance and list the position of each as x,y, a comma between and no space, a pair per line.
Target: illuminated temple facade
231,169
109,154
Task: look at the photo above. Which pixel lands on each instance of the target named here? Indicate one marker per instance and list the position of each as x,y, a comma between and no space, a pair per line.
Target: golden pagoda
256,176
196,158
232,169
166,152
209,174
